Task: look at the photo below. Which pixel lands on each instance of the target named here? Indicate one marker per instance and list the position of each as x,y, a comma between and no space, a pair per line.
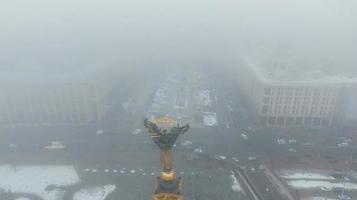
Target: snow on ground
309,184
318,198
35,179
235,186
94,193
209,119
289,174
205,98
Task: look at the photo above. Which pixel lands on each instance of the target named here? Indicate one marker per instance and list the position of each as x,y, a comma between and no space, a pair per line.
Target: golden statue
164,131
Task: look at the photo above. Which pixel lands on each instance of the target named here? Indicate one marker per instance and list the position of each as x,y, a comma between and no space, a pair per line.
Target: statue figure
164,132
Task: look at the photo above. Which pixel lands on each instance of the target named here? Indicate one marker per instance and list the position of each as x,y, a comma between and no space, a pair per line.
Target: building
282,95
51,97
348,116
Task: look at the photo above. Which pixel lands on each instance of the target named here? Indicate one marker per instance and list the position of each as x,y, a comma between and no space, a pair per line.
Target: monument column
164,131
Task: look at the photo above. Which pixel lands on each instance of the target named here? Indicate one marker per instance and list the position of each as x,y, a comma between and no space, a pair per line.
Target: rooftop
300,71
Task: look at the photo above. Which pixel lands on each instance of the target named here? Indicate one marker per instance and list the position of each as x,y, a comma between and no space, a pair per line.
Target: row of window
300,92
296,110
298,100
298,121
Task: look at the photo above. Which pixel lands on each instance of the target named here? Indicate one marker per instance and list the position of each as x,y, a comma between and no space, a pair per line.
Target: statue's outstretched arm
151,126
184,128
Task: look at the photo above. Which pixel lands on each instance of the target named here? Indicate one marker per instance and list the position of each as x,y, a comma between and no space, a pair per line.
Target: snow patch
235,186
318,198
308,184
35,179
304,175
210,119
205,98
94,193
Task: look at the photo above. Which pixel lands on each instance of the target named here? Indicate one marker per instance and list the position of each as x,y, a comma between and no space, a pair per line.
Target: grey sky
79,33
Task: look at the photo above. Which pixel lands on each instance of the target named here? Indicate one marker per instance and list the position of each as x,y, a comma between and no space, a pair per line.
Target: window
263,121
265,109
289,121
267,91
271,120
266,100
316,121
280,120
307,121
298,121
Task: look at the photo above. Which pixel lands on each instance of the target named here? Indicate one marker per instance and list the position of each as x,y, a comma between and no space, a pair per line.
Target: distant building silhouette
46,98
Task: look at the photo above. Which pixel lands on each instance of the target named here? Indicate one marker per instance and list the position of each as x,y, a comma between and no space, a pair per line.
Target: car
99,132
198,150
55,145
292,150
281,141
343,144
244,136
235,159
186,143
325,188
218,157
136,131
292,141
252,158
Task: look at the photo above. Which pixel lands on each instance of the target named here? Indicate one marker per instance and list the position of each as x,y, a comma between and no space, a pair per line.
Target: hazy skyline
78,33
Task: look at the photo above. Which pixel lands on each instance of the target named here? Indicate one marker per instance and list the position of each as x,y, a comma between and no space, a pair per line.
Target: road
120,147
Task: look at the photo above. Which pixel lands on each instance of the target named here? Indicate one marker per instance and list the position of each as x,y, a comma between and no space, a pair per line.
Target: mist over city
221,100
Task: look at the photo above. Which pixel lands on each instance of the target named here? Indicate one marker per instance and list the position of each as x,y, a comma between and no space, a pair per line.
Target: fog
91,91
77,34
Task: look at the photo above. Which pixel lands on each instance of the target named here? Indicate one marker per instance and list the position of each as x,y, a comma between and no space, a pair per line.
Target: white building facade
284,102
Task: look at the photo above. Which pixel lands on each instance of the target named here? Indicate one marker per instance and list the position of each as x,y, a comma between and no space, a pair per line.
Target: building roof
280,70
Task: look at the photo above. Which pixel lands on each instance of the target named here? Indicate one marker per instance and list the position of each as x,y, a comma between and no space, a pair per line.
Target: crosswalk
125,171
118,171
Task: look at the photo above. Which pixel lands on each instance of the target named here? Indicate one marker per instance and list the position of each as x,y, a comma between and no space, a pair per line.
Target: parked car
292,141
292,150
252,158
55,145
343,144
235,159
244,136
281,141
218,157
325,188
136,131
